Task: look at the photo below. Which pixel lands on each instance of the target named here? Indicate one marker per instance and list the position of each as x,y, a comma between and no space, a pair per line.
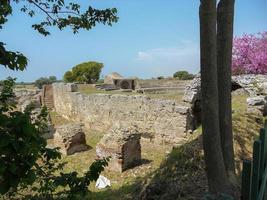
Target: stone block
123,146
70,138
257,101
72,87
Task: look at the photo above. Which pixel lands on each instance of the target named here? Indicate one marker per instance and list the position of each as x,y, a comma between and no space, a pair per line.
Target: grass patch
169,95
169,173
57,120
123,185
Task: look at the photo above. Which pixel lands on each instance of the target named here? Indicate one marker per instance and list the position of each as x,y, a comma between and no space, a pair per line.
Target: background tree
250,54
57,13
183,75
44,80
52,78
160,77
68,77
88,72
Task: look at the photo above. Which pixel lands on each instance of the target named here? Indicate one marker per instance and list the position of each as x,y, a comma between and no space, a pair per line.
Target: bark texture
225,17
216,173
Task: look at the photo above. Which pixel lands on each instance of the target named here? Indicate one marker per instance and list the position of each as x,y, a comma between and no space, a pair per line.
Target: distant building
109,79
119,81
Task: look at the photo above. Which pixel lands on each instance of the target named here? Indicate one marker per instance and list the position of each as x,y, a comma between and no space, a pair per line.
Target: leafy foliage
250,54
57,13
68,77
88,72
26,164
44,80
21,144
12,60
183,75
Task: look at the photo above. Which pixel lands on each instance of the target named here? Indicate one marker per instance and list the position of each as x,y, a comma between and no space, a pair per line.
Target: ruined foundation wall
163,120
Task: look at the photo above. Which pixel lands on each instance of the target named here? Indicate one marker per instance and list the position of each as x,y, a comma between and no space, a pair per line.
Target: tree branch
42,9
64,12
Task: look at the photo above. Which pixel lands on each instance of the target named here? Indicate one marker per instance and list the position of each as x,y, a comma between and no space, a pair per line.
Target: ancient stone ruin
255,86
32,98
257,104
122,145
115,81
26,97
70,138
160,120
109,79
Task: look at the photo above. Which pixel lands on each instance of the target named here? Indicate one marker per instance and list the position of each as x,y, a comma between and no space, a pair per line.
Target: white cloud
165,61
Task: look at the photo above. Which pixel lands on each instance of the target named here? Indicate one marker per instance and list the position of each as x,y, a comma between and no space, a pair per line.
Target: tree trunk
216,173
225,17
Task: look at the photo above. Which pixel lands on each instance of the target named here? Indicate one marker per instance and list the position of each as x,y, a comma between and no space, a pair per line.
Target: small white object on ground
102,182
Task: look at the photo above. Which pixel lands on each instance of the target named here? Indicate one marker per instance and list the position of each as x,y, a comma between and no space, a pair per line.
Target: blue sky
152,38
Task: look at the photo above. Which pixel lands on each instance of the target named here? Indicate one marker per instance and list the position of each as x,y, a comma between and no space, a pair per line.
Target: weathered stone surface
109,79
193,91
47,96
25,97
162,120
123,146
252,84
257,104
249,84
70,138
71,87
257,101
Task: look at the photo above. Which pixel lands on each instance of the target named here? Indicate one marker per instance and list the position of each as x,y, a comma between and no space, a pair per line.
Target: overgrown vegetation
183,75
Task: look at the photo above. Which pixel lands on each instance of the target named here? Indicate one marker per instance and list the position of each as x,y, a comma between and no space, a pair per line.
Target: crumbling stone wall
161,120
70,138
249,84
123,147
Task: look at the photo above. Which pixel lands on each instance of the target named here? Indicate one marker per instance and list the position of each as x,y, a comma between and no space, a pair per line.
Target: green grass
123,185
171,95
178,172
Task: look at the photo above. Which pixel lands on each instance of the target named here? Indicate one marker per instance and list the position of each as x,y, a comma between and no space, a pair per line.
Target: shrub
44,80
160,77
183,75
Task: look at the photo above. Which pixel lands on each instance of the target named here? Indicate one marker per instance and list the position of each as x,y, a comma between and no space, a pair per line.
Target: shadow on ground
181,176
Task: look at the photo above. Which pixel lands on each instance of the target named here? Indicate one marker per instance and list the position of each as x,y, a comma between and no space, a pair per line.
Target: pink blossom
250,54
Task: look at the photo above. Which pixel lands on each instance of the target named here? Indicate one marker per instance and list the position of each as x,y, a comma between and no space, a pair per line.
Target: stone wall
253,85
250,84
163,120
47,96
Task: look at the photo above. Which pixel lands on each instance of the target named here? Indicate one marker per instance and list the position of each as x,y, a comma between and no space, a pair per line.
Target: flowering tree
250,54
